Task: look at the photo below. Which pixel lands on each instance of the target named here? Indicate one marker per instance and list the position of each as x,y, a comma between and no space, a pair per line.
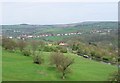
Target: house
10,37
29,36
66,34
58,34
63,44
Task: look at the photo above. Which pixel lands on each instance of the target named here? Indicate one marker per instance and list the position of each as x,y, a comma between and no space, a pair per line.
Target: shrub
80,52
115,77
26,53
114,61
55,49
98,58
93,54
62,49
75,47
37,59
47,49
105,59
50,49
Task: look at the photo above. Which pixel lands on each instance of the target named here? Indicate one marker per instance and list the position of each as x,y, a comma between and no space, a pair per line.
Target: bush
80,52
62,49
115,77
114,61
48,48
105,59
37,59
97,58
75,47
55,49
26,53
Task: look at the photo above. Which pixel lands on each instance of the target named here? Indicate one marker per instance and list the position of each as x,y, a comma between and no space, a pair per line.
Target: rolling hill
19,29
18,67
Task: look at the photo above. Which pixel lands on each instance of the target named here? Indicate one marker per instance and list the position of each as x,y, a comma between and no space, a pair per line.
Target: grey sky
57,13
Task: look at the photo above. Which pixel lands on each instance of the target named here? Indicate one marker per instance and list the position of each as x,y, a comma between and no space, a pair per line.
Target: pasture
18,67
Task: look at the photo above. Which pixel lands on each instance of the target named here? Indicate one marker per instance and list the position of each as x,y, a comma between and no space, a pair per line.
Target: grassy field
18,67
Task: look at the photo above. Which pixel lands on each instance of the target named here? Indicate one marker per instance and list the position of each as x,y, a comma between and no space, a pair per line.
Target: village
94,31
24,36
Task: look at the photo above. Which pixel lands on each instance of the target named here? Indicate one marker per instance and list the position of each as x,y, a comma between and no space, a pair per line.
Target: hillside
93,47
28,29
17,67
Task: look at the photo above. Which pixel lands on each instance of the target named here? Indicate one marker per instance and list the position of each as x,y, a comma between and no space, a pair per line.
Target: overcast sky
57,13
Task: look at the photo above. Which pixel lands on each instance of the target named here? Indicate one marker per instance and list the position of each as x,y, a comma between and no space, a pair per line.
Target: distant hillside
16,30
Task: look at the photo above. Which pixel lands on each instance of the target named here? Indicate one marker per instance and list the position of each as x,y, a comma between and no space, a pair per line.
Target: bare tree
62,62
21,45
34,45
56,58
64,65
8,44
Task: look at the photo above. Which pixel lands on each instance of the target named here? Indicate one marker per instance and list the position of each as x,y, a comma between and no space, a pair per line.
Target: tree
34,45
41,43
21,45
62,62
56,58
64,65
8,44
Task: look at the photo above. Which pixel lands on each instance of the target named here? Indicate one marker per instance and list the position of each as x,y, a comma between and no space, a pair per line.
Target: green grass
18,67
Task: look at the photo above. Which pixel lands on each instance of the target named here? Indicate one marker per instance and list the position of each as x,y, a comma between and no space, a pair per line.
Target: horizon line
61,23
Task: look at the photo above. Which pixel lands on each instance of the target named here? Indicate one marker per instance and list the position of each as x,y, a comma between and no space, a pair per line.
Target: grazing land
87,51
18,67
